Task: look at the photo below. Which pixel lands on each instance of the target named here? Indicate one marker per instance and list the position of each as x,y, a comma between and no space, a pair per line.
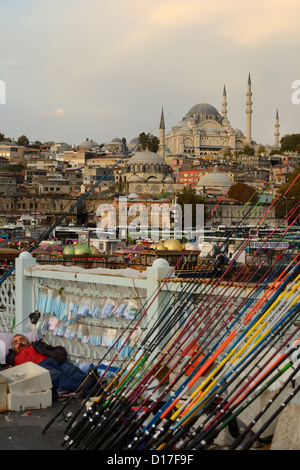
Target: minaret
224,104
248,112
277,130
161,149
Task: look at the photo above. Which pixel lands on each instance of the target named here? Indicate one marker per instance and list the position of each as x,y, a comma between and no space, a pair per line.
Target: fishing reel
34,317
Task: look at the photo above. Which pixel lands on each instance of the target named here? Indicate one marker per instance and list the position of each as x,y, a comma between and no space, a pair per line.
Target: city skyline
102,70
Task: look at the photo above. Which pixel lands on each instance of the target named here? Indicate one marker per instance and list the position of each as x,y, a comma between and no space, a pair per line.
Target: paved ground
23,430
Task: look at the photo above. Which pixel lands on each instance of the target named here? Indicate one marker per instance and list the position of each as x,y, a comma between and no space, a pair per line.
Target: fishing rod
237,372
248,352
225,386
236,356
265,408
207,437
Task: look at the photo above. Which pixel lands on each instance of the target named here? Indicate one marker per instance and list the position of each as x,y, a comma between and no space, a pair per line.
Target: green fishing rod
183,426
210,436
256,436
241,438
210,429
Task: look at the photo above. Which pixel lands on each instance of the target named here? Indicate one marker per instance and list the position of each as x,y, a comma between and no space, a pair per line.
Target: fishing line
225,386
220,415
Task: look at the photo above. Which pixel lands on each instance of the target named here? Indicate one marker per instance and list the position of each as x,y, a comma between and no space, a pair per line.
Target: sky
102,69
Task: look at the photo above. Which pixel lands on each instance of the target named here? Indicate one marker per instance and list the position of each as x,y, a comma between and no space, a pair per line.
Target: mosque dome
212,129
186,129
238,131
203,108
146,157
135,140
215,179
135,179
88,144
169,179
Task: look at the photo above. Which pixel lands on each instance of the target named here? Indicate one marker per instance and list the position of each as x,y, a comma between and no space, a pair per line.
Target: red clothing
28,355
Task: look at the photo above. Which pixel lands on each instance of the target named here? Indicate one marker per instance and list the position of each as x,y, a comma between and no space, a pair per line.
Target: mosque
203,131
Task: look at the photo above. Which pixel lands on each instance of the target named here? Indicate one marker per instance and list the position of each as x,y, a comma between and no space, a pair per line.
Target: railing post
158,299
24,292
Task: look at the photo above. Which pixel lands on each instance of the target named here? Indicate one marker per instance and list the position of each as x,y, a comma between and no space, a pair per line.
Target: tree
248,150
290,143
23,140
2,136
290,196
274,152
188,195
148,142
242,192
261,149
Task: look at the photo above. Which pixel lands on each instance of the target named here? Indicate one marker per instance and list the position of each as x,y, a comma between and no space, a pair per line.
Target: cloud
52,68
56,112
254,23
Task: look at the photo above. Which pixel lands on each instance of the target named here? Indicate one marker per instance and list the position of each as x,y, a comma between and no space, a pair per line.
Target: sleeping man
65,376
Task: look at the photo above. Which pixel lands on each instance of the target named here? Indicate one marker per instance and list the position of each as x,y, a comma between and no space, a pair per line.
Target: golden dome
173,244
94,250
161,247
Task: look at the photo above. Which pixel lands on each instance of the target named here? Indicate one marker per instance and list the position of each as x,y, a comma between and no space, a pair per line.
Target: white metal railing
7,304
90,312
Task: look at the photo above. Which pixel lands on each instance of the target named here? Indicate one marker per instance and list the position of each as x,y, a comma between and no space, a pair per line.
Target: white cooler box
29,386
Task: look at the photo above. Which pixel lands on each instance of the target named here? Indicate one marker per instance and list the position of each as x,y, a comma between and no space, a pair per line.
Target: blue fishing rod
180,389
205,433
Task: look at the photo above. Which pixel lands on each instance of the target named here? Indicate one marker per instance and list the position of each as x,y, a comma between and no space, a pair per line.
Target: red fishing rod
209,432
